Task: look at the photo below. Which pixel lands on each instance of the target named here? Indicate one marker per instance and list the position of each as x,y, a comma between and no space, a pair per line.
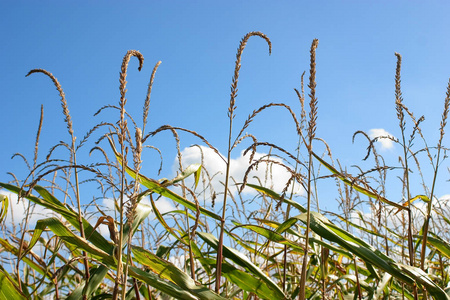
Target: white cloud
162,204
17,211
445,198
276,178
385,143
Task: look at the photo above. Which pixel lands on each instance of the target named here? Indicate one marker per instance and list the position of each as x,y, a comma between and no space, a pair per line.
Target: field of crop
223,243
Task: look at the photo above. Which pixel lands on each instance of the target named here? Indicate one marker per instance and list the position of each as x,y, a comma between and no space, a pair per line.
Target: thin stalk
288,209
400,115
231,116
430,206
123,151
305,257
191,255
358,286
118,248
68,120
224,207
22,239
311,135
137,151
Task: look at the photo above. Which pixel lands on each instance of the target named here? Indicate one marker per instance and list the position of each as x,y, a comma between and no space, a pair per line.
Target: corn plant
265,245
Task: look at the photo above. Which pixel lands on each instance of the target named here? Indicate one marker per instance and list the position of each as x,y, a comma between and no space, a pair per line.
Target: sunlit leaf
8,289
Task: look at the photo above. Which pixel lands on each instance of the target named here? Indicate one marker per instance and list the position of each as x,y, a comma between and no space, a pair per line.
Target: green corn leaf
284,227
273,236
396,286
191,169
8,288
62,231
166,287
93,236
96,277
183,212
154,186
6,246
276,196
141,213
169,271
323,227
50,202
243,261
423,278
353,278
163,222
383,286
247,245
243,280
442,246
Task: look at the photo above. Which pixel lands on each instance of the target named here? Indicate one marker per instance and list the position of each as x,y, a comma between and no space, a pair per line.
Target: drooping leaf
141,213
162,221
191,169
274,236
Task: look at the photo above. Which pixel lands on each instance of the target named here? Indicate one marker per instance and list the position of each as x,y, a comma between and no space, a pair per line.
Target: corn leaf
166,287
13,250
245,281
442,246
169,271
355,186
62,231
243,261
96,277
8,289
50,202
274,195
323,227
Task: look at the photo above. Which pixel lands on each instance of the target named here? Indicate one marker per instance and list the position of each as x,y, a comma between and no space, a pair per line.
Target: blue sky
83,44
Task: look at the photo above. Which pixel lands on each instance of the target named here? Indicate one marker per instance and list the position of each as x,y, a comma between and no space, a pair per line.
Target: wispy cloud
384,142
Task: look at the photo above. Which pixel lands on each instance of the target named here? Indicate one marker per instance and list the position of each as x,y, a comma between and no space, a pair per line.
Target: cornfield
224,243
